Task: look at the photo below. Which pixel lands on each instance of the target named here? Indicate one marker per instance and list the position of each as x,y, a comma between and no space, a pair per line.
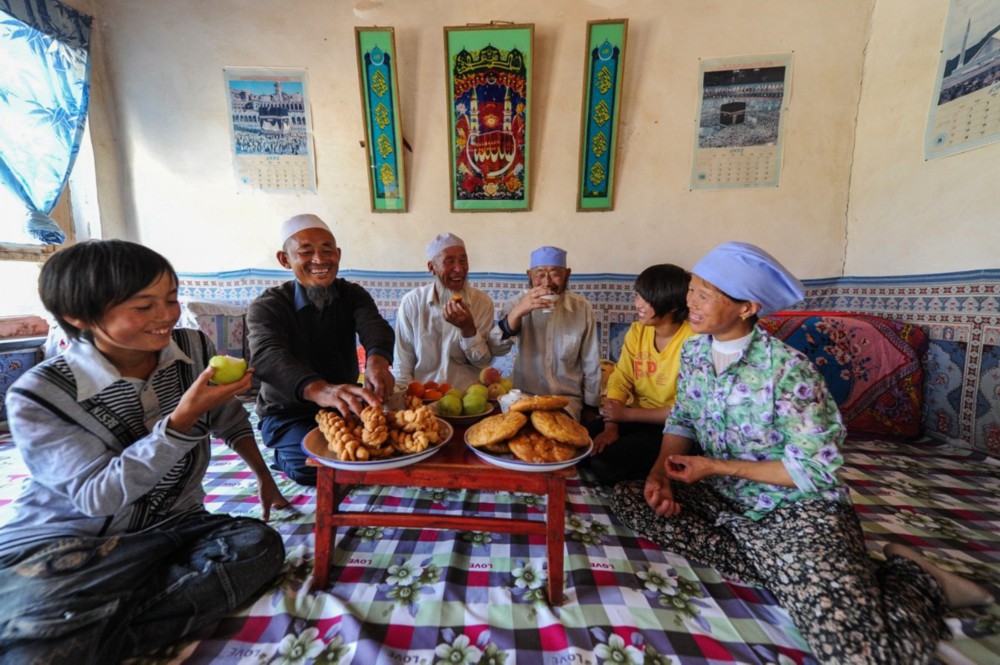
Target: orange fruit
433,394
443,388
430,385
416,389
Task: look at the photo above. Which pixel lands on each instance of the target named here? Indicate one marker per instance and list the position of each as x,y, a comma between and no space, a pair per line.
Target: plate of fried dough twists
534,435
376,440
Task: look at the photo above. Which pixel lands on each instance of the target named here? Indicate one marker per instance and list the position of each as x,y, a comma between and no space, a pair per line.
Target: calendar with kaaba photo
965,112
741,108
269,128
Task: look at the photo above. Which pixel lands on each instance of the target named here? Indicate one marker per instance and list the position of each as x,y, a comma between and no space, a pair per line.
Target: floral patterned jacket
770,404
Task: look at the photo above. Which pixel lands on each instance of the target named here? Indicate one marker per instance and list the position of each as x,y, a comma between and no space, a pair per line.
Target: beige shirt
557,352
428,348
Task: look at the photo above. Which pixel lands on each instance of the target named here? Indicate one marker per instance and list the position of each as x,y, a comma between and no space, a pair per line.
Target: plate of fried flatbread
530,439
377,440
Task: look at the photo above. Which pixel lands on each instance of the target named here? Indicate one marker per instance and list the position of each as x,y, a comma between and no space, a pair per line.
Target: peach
490,375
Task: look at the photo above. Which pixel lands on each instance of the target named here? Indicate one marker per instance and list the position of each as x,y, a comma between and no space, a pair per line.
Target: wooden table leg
555,539
325,531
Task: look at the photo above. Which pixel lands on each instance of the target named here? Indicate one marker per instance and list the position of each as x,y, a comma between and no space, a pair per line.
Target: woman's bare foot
958,591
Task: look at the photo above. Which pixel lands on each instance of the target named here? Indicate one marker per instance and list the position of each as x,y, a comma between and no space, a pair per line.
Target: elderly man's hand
458,315
378,378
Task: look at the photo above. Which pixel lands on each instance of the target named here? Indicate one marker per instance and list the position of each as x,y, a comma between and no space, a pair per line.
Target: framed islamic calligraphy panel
602,95
489,110
376,49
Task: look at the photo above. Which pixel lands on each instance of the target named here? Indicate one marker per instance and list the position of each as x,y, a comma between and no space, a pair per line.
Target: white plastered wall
166,173
909,215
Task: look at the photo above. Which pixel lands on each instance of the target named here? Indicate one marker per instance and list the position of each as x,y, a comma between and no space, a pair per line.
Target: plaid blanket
424,596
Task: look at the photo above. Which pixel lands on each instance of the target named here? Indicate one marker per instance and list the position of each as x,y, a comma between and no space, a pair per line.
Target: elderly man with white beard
443,328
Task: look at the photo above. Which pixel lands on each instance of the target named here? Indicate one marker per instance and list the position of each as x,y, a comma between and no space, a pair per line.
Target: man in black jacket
303,336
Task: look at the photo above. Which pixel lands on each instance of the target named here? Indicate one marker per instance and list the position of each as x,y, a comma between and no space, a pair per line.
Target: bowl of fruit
464,407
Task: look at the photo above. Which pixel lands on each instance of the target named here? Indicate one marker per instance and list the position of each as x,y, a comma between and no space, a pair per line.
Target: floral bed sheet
411,596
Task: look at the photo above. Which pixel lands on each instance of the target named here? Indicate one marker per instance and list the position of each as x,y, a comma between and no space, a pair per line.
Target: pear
227,369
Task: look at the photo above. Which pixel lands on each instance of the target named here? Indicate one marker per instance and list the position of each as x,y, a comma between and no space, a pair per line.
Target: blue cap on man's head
548,256
746,272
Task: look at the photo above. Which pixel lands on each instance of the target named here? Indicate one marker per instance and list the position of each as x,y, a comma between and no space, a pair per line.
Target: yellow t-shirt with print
644,377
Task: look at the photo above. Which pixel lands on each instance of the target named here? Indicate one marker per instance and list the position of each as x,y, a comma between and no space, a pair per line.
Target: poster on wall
602,95
489,109
376,49
269,129
741,109
965,112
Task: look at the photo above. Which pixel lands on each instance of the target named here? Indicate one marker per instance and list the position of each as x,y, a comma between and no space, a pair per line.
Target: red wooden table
452,467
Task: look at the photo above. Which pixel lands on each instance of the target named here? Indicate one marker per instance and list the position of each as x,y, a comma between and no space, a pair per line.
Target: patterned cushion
13,364
871,365
222,322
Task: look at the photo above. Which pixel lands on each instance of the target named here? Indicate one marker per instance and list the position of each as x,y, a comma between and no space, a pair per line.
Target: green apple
227,369
457,393
473,404
449,405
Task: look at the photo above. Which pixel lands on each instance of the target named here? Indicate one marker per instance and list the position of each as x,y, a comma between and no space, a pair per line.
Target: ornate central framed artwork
489,116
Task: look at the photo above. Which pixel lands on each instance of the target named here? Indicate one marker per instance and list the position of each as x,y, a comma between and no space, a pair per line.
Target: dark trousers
630,457
284,436
88,600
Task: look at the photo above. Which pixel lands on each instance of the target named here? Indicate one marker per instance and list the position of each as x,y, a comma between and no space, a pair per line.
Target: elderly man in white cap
555,333
442,329
302,337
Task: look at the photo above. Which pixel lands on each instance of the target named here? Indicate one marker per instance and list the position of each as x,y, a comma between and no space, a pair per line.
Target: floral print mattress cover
425,596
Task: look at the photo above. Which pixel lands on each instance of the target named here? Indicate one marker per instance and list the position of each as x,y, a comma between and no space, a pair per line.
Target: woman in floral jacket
764,503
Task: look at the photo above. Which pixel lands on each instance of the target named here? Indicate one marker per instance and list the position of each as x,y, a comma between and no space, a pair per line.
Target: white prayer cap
293,225
441,242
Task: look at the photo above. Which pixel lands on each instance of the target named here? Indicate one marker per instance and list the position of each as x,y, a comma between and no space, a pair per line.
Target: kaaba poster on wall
489,110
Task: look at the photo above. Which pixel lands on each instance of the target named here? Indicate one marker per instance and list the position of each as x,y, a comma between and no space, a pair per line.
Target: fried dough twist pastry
343,436
375,430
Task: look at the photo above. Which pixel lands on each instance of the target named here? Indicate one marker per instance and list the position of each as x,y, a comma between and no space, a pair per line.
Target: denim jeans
101,599
284,436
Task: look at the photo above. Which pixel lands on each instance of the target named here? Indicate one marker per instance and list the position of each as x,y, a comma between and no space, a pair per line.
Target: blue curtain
44,67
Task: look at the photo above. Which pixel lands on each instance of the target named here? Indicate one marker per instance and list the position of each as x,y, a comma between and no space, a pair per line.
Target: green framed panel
602,97
376,48
489,116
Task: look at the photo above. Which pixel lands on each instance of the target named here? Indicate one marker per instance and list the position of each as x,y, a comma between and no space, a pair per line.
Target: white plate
509,461
315,446
464,420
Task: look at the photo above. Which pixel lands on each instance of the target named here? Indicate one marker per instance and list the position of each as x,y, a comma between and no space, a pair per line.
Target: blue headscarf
746,272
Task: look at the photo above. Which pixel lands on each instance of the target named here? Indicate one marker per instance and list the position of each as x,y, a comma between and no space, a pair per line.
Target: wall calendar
965,113
269,128
739,126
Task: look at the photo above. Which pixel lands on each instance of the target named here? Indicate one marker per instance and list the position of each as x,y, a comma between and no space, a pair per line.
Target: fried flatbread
561,427
495,429
499,448
539,403
529,445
